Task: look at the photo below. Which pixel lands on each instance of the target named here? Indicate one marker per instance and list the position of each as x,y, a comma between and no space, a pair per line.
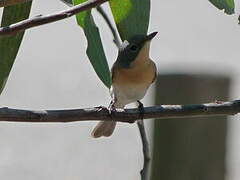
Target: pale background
53,72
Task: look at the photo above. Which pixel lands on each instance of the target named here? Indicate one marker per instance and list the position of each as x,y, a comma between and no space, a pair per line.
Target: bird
132,74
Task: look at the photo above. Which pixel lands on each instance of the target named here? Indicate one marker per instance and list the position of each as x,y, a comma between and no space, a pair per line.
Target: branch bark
5,3
40,19
127,116
146,152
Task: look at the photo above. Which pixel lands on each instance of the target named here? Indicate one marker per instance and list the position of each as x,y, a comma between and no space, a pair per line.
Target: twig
127,116
146,151
5,3
40,20
101,11
116,38
68,2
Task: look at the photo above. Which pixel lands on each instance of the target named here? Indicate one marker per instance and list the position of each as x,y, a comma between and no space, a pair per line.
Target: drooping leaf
227,5
95,49
131,16
9,45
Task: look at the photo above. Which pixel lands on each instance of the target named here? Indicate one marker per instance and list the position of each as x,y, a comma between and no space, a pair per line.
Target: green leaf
9,45
131,16
95,49
227,5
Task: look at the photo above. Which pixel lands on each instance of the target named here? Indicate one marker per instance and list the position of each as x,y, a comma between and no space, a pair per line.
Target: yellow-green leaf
131,16
9,45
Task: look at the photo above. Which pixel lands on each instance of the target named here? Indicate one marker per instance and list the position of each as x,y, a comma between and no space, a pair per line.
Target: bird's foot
111,109
141,110
101,108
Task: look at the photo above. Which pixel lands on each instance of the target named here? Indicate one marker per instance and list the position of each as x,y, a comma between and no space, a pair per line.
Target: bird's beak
150,36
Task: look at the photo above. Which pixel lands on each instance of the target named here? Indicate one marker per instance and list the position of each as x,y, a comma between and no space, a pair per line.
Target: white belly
127,95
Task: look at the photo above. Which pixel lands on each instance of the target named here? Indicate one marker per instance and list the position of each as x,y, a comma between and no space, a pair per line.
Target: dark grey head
130,49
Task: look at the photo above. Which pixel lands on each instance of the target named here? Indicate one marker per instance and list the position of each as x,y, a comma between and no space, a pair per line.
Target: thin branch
68,2
101,11
5,3
116,38
127,116
146,151
40,20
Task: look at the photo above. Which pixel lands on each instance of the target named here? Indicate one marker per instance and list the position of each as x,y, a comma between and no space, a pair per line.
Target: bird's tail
104,128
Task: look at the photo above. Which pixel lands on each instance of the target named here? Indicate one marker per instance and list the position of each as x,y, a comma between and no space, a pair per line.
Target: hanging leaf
95,49
227,5
131,16
9,45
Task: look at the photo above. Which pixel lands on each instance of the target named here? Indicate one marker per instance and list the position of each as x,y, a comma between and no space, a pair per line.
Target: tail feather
104,128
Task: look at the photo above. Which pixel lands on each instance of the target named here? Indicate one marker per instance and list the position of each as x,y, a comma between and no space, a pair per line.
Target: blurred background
196,43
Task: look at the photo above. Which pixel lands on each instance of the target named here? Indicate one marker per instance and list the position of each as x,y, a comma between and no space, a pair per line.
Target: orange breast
137,75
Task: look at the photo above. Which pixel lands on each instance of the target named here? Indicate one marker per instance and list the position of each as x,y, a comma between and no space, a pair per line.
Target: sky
52,72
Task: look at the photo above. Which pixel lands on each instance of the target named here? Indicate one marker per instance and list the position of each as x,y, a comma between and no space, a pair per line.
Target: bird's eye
133,47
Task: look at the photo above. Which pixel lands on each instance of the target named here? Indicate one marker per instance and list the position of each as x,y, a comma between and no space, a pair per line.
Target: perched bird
132,74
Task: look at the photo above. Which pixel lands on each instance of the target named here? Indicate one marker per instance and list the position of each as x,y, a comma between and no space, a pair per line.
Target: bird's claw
111,109
100,108
218,102
141,110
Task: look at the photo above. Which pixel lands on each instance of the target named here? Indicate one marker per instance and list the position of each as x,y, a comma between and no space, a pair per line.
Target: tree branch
40,20
116,38
145,148
127,116
5,3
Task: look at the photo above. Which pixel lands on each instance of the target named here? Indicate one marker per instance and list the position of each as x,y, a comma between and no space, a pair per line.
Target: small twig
68,2
146,151
101,11
40,20
5,3
127,116
116,38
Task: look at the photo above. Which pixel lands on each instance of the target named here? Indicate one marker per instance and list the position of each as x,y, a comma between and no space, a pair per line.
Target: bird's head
136,48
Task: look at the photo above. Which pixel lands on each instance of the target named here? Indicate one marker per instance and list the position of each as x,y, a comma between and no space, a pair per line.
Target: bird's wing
155,75
113,71
112,77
